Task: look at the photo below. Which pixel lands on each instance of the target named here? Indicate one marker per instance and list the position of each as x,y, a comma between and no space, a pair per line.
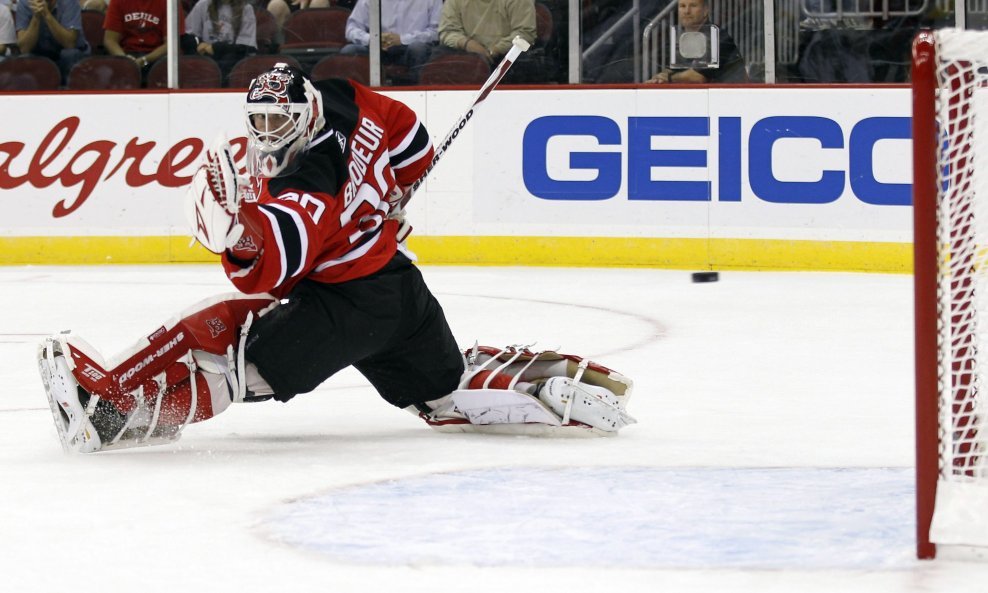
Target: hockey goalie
310,238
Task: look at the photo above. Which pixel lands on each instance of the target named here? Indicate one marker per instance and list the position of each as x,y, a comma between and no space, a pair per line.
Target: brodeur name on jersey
327,220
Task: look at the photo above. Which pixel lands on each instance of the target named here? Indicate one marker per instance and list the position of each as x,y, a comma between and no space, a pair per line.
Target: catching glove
213,199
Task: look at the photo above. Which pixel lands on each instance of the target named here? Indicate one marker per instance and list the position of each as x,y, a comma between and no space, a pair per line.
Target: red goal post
950,191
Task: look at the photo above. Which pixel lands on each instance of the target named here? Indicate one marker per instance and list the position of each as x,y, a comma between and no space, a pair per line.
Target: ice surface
773,450
685,517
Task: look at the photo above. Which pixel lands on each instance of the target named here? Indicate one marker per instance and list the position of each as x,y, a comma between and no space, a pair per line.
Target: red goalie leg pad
178,400
174,407
484,380
211,326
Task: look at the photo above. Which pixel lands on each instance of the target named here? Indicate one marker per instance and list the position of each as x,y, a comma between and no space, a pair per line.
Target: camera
695,49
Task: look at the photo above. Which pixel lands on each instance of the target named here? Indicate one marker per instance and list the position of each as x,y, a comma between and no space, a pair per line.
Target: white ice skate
71,406
85,422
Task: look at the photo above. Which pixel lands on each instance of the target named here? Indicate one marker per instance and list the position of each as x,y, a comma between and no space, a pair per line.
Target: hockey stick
518,45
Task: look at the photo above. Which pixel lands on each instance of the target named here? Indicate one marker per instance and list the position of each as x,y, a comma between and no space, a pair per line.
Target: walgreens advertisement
105,164
789,163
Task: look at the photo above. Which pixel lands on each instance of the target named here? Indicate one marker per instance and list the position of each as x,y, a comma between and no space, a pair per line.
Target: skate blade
75,432
58,416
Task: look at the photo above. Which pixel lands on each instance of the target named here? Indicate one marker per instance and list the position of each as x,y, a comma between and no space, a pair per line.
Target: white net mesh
962,239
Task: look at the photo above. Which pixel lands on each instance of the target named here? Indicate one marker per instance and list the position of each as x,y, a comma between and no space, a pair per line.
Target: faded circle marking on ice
613,517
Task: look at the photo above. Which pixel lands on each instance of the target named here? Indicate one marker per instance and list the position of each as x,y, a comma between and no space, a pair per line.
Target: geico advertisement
796,163
789,163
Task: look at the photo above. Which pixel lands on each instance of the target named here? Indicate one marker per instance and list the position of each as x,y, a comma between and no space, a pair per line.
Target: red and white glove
213,199
397,199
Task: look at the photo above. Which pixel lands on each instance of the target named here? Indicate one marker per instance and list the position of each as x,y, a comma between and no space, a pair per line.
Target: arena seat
461,68
337,66
543,24
96,73
248,68
539,64
267,31
29,73
194,72
92,29
315,29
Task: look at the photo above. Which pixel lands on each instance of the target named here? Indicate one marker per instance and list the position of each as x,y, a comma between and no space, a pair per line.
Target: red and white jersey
326,220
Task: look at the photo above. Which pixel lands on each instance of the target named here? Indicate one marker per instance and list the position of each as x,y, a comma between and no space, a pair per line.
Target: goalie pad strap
525,365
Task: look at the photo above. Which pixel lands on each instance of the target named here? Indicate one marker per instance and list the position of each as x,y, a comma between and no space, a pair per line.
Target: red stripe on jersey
407,136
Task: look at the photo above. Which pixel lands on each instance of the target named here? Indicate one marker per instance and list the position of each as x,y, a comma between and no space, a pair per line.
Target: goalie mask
284,112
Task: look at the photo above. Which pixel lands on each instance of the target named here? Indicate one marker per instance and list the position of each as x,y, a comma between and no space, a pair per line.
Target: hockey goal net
950,199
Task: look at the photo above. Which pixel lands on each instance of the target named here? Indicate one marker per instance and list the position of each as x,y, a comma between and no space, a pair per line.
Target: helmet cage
265,129
284,112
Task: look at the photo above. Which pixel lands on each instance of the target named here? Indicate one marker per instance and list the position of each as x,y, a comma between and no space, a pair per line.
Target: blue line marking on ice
614,517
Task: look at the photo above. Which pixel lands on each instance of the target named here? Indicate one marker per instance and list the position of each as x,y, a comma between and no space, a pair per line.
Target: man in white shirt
409,31
8,36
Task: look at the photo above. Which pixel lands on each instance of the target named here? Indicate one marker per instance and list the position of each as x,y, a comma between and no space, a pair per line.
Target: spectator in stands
137,29
610,38
486,28
409,32
834,46
282,9
53,29
97,5
225,30
8,37
694,14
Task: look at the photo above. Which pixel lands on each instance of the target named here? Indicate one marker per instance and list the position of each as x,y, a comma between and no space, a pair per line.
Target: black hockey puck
705,277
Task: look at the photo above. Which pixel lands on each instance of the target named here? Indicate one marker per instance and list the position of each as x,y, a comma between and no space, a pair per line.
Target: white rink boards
767,178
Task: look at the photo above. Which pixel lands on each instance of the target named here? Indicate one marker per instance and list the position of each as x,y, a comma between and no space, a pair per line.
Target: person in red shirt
311,241
137,29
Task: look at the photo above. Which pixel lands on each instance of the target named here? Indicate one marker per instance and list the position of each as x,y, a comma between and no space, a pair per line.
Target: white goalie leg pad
218,394
220,373
503,412
514,390
496,406
591,411
563,407
521,364
589,404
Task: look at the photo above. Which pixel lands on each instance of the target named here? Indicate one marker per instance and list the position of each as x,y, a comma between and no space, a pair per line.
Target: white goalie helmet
284,112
